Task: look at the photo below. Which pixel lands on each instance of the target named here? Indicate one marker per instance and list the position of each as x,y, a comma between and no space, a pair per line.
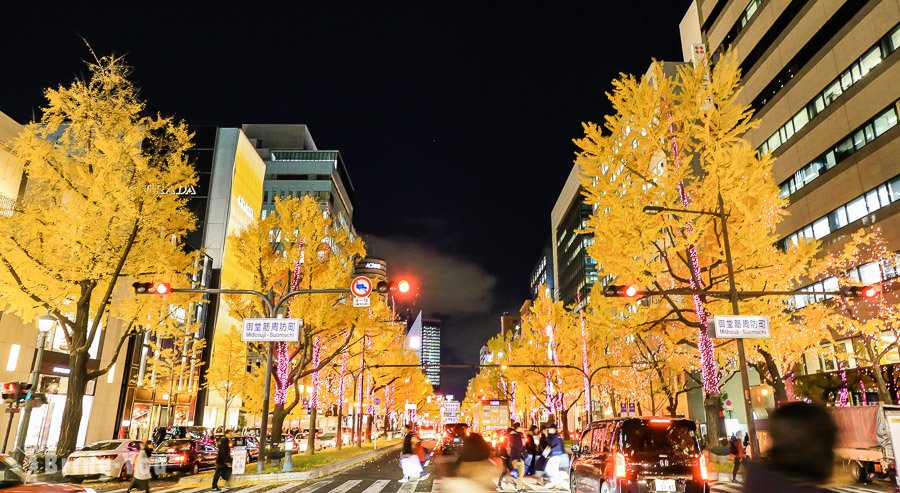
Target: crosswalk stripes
169,490
249,489
379,485
279,489
854,489
344,488
194,490
721,487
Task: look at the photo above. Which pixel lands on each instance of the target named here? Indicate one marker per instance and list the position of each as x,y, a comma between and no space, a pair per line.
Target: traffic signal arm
615,291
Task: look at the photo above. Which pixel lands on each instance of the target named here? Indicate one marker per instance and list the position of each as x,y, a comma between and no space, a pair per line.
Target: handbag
546,452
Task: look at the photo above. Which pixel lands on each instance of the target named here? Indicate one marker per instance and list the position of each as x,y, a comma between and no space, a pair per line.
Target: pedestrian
540,465
801,457
517,456
409,460
473,469
503,453
140,478
223,461
557,458
531,450
736,449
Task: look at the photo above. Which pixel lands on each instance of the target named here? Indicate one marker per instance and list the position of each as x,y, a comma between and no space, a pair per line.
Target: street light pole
45,324
742,359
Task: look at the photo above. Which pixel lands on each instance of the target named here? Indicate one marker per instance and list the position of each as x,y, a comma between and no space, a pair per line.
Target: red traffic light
403,286
871,291
621,291
158,288
868,292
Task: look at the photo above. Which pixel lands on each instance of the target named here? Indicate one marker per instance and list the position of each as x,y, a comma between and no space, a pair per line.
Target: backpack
733,448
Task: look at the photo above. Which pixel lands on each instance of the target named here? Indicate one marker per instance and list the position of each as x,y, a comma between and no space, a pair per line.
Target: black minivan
639,455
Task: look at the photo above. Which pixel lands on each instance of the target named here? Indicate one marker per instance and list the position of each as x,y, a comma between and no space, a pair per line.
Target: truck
868,437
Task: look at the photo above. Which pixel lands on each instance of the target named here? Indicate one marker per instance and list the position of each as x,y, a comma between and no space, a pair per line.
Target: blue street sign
377,401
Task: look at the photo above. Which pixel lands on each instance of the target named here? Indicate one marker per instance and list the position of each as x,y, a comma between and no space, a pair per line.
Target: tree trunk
71,418
776,379
224,417
564,417
278,415
369,419
672,407
311,439
612,403
339,439
712,404
878,372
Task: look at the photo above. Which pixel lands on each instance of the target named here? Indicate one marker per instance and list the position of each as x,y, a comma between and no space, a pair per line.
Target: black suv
639,455
452,438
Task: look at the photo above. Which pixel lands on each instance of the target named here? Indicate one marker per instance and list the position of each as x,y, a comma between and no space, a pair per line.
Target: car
249,442
107,459
451,440
427,433
162,433
328,440
183,455
631,455
12,480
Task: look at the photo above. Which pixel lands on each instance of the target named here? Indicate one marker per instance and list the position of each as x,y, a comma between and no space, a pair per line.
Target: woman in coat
141,473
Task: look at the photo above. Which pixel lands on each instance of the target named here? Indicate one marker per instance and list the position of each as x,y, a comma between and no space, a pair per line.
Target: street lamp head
46,322
652,209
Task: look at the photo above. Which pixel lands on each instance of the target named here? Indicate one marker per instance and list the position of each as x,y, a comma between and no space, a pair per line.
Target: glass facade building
431,350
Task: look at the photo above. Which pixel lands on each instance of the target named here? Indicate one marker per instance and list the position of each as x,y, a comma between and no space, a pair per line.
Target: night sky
455,120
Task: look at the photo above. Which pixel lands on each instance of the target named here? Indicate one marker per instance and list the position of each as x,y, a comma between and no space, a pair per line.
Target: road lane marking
250,489
194,490
310,488
377,486
346,486
177,488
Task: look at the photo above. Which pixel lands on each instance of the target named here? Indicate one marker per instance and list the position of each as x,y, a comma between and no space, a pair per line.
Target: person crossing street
223,461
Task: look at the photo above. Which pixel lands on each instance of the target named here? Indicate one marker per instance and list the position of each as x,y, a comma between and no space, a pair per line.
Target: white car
106,459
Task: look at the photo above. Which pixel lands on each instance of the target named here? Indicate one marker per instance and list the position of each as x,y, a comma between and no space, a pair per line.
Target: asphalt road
382,474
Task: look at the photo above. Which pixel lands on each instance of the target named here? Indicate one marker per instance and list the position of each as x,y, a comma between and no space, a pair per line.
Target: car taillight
660,421
704,474
620,465
106,457
179,458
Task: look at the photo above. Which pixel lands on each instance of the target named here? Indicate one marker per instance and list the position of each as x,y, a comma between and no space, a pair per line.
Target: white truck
868,440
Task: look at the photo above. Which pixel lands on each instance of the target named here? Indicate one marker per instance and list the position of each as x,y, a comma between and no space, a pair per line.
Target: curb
281,477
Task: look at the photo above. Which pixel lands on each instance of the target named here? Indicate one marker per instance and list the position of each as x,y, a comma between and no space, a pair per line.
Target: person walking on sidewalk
736,448
516,450
223,461
141,473
557,459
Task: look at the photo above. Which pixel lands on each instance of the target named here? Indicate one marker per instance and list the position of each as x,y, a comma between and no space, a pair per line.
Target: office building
431,350
296,168
822,80
542,275
574,271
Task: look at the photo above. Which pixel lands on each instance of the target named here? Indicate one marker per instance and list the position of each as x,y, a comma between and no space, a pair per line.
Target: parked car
242,441
451,439
328,440
12,480
630,455
163,433
109,458
183,455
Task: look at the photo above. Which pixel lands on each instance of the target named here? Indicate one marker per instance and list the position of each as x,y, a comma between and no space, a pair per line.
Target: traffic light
621,291
402,286
25,392
867,292
10,392
157,288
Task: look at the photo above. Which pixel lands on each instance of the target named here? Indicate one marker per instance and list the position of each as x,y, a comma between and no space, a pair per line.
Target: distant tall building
295,168
431,349
574,270
542,275
510,322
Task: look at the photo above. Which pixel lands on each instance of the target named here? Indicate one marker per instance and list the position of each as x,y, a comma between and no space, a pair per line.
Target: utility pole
735,310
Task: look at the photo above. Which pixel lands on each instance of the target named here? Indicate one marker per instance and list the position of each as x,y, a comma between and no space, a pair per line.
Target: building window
853,74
